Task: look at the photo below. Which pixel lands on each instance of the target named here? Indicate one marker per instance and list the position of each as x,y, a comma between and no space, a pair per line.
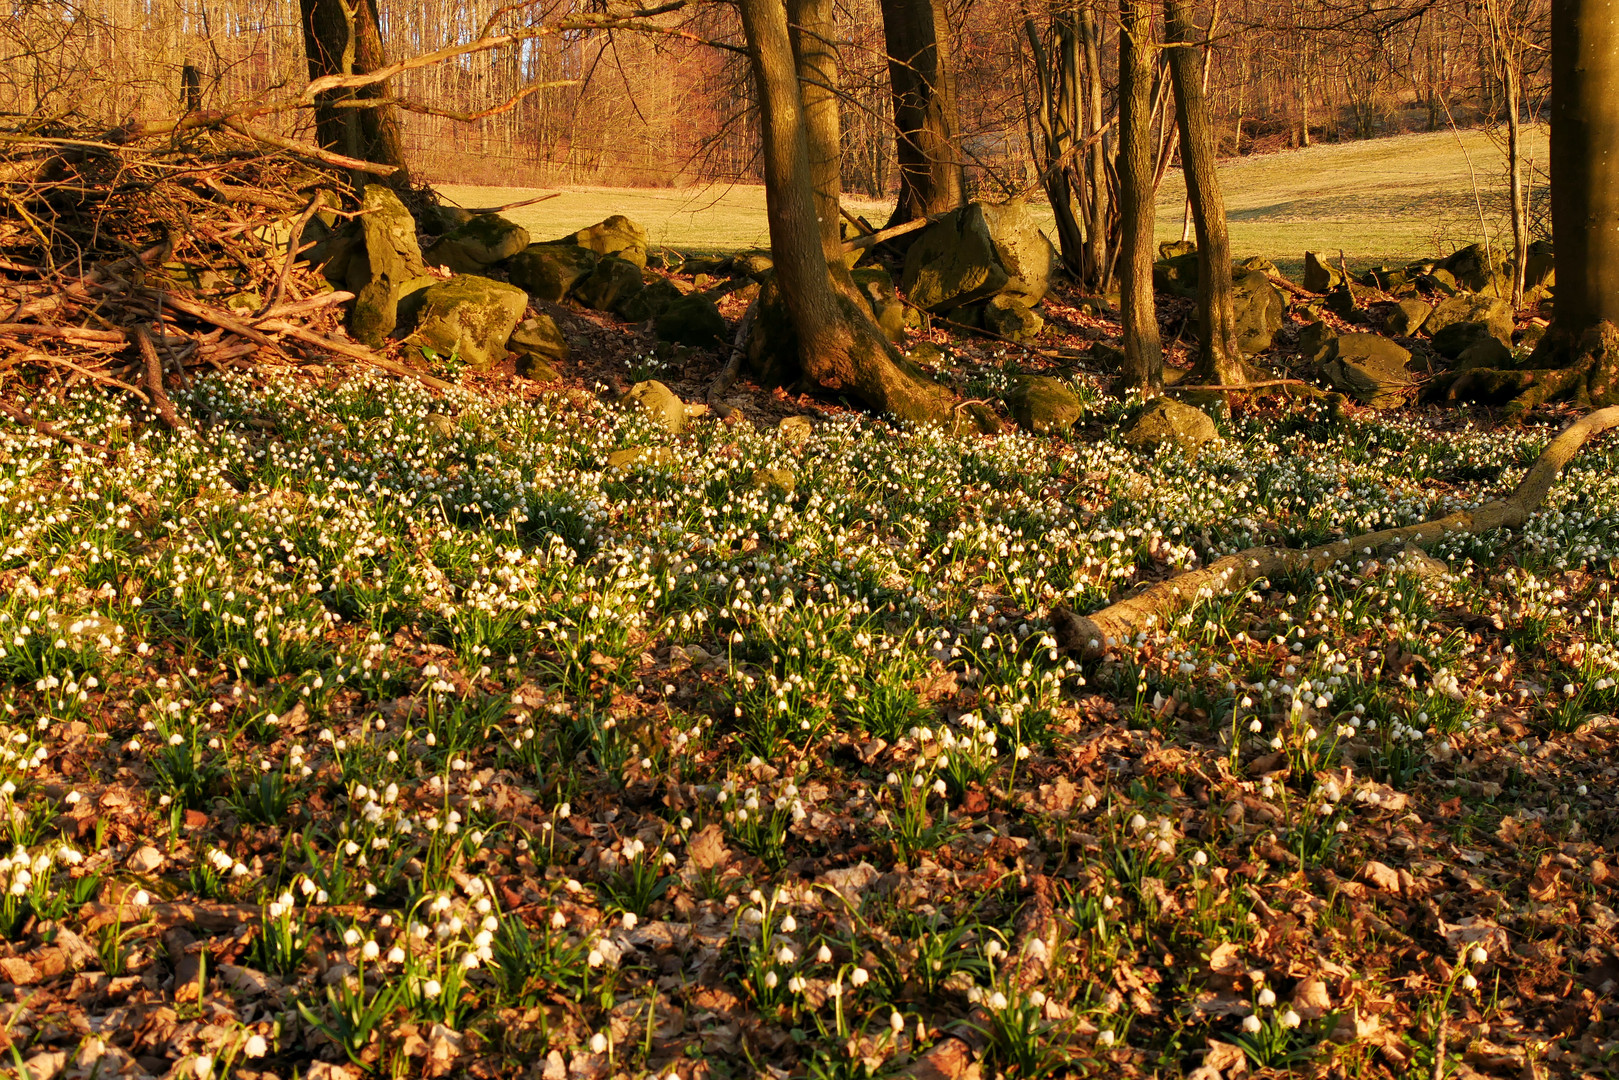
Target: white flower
598,1043
1478,955
202,1066
1105,1037
896,1021
1250,1024
824,954
370,950
771,980
1290,1019
431,989
1267,998
859,976
997,1001
630,919
255,1047
789,924
1469,983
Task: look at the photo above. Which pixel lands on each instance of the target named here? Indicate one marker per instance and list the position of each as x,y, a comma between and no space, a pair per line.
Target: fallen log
1118,623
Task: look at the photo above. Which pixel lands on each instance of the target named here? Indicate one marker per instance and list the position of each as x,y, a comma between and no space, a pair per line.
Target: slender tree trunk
1143,349
1058,83
1219,359
344,40
928,127
1096,230
815,53
840,348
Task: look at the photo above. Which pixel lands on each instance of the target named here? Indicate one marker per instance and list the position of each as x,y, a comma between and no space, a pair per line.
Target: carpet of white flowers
368,730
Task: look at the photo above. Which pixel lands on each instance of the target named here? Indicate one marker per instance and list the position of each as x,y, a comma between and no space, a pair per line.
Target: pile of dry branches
129,263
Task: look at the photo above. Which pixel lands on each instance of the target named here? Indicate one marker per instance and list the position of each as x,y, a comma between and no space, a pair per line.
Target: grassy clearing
456,751
1384,199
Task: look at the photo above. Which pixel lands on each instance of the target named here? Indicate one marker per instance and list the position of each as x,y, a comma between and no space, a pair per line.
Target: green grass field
1385,199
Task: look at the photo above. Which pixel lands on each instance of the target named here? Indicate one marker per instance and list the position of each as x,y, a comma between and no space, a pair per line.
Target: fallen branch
154,379
860,243
1118,623
733,364
1237,389
293,241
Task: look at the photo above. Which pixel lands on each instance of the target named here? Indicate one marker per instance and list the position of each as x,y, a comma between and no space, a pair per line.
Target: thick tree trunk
931,177
840,348
1585,164
1578,358
1219,360
339,40
1096,228
816,55
1143,349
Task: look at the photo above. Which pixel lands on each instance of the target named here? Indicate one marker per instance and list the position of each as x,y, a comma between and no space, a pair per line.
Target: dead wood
1118,623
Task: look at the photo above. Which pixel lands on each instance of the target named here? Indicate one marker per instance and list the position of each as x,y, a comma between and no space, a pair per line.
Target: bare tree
1143,348
343,38
840,348
1219,360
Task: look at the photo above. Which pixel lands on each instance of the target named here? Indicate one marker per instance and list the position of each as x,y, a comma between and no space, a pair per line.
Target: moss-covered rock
610,284
976,252
1168,423
1314,338
550,271
1407,317
537,368
617,236
1370,368
382,259
472,317
478,244
1258,306
1497,313
1012,318
693,320
1319,275
1045,405
541,337
653,298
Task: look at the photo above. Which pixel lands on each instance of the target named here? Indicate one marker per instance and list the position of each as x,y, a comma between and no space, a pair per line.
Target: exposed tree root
1117,623
1583,371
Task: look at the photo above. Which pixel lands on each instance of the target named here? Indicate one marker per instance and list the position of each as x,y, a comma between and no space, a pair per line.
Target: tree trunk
840,348
1058,80
1578,358
339,40
1219,360
1585,178
1143,349
1096,229
931,178
816,55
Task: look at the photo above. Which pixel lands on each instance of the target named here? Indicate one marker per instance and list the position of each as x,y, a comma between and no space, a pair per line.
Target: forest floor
356,727
1378,200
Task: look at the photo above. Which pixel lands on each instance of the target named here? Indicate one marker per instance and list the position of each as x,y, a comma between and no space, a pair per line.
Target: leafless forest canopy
671,109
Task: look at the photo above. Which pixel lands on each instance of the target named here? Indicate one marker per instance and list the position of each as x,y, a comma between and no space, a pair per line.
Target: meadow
1378,200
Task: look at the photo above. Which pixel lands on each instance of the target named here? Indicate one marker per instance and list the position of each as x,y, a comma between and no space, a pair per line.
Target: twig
49,429
509,206
292,253
1237,389
733,364
154,379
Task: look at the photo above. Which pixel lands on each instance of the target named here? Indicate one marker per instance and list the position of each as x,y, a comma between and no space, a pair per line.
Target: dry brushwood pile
359,725
127,265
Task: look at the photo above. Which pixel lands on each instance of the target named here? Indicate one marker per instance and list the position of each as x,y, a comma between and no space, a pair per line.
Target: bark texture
1118,623
1143,348
1098,271
344,40
815,53
928,125
1219,359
